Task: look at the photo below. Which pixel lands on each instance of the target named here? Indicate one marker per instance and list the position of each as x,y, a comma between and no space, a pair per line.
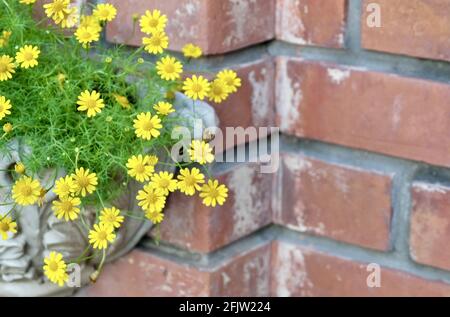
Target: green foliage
44,113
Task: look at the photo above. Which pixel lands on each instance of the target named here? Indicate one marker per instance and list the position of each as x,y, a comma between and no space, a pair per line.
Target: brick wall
365,151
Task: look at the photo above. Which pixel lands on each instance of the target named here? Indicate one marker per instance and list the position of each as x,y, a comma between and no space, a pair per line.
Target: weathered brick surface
216,26
411,27
311,22
146,274
385,113
339,202
253,105
299,271
191,225
430,224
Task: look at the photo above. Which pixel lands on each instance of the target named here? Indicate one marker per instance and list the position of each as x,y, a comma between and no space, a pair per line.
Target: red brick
143,273
311,22
430,224
253,105
216,26
191,225
379,112
411,27
335,201
300,271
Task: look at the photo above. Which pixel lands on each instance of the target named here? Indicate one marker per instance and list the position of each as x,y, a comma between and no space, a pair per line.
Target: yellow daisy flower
6,67
5,105
27,1
67,207
85,182
55,268
105,12
111,217
152,160
201,152
169,68
7,226
7,127
153,22
64,186
90,102
163,108
164,182
150,199
219,91
101,235
70,19
87,35
230,78
189,180
5,38
155,217
19,168
156,43
91,22
213,193
140,168
196,87
27,56
57,9
122,100
26,191
192,51
147,126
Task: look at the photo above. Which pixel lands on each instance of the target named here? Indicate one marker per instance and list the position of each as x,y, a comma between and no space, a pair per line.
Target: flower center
147,126
197,88
189,180
53,266
28,56
102,235
83,181
92,103
170,68
156,41
26,190
67,206
58,6
152,198
164,183
140,168
3,67
153,23
4,227
111,218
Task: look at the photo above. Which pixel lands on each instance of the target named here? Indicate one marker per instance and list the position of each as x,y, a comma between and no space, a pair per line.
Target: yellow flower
169,68
196,87
201,152
150,199
86,35
5,38
155,217
111,217
6,67
70,19
64,186
19,168
164,182
7,226
230,78
153,22
122,100
57,9
152,160
156,43
140,168
27,1
85,182
67,207
163,108
26,191
105,12
108,60
90,21
219,91
55,268
27,56
213,193
101,235
7,127
189,180
90,102
192,51
5,105
147,126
